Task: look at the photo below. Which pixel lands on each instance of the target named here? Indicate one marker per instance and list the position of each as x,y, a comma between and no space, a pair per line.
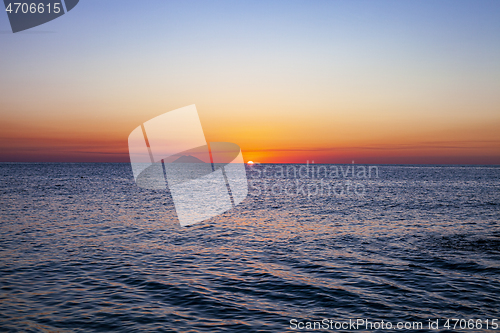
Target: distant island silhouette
188,159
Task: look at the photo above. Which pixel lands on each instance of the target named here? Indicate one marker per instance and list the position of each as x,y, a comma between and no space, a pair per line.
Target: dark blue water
83,249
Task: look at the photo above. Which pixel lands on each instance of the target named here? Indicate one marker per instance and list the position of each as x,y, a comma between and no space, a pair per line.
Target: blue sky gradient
408,68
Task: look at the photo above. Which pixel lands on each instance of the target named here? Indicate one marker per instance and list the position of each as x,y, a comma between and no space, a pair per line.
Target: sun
250,162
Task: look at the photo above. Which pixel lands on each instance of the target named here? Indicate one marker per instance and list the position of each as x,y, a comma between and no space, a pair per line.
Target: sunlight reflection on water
82,248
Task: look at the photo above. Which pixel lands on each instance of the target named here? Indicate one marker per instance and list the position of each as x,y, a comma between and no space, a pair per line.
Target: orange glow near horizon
414,84
323,139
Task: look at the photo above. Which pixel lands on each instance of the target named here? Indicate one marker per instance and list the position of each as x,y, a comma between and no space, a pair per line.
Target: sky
375,82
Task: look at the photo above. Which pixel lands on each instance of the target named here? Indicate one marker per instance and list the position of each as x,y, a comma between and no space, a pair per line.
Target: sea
412,248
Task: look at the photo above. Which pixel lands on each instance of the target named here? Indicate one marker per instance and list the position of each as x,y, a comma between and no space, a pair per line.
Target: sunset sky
288,81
